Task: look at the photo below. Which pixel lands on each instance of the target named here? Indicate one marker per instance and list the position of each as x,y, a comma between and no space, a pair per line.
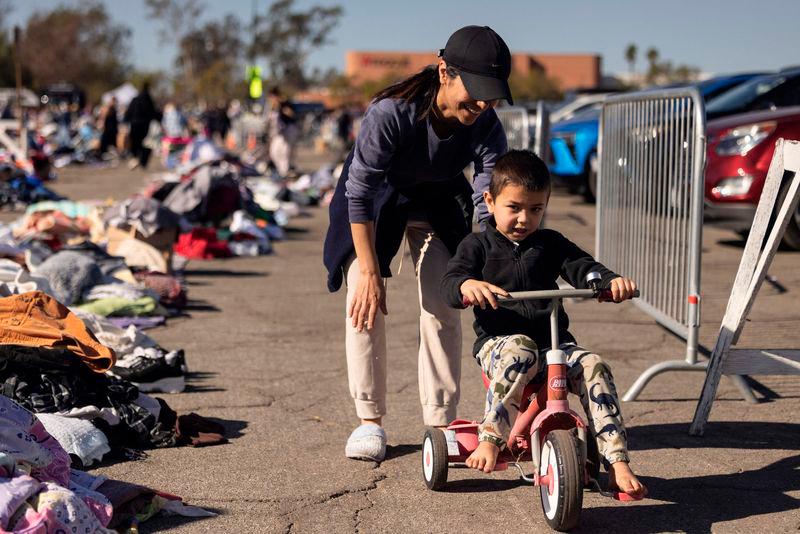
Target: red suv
740,149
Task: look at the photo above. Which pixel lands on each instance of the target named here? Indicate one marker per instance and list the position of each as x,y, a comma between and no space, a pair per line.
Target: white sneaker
367,442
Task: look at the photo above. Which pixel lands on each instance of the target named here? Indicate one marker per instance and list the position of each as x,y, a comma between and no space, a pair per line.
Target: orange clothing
35,319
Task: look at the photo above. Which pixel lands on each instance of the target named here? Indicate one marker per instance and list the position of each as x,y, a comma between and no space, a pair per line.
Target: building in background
569,71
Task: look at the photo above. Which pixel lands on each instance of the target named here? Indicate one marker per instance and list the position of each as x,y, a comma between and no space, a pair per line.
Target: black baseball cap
483,61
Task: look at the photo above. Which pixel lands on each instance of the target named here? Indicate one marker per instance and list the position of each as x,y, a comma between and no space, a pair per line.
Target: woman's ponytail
422,87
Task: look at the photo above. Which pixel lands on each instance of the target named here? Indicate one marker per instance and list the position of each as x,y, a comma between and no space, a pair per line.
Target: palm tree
652,61
630,57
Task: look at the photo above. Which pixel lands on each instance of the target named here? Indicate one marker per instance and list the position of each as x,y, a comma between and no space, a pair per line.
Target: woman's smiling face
453,100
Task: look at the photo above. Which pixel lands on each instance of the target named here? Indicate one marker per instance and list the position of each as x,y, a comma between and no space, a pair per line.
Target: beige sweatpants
439,363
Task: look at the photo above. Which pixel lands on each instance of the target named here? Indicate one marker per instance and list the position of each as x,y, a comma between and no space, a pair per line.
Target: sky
717,36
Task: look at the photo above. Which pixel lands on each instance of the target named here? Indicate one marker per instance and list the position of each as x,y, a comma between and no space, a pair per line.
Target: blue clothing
399,167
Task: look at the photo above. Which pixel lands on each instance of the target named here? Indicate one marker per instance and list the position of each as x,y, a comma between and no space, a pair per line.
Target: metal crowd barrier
516,124
541,135
652,151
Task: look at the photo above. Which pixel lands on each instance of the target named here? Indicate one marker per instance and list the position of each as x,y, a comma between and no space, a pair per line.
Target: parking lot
265,350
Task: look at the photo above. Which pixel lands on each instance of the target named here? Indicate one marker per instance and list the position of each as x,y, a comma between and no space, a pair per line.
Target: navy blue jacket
399,165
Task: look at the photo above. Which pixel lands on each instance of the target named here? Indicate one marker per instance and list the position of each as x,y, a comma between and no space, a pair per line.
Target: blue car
573,143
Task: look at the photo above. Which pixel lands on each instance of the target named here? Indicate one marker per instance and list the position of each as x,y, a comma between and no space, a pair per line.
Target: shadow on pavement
223,272
483,485
396,451
194,388
718,435
233,427
696,504
199,305
195,379
162,523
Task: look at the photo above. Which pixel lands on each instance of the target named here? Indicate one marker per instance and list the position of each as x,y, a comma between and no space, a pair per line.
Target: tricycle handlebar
603,295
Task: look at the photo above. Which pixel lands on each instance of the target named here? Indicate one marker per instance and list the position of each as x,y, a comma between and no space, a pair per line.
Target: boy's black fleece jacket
534,264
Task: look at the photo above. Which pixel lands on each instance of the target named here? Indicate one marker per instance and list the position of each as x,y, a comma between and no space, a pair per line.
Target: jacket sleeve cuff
360,211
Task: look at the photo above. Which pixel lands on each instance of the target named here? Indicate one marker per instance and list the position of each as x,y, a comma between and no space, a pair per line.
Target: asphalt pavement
265,348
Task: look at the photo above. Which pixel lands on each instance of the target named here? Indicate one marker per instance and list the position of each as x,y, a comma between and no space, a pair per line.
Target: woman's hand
622,288
370,295
479,293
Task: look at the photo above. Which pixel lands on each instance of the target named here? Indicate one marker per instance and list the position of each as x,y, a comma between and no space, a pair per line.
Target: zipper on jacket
520,271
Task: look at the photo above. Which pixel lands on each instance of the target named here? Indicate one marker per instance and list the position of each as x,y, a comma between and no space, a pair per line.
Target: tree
177,17
285,38
630,56
533,86
6,48
209,61
7,69
653,69
78,45
684,73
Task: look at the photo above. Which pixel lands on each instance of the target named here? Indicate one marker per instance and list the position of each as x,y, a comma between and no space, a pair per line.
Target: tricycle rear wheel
434,459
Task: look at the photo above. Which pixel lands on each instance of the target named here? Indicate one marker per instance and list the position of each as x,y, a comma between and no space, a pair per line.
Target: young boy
514,254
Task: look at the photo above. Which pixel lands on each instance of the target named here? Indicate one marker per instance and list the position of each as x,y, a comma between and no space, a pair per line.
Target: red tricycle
546,432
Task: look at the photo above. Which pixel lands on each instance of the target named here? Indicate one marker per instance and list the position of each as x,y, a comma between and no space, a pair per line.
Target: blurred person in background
109,124
282,131
344,128
140,112
173,122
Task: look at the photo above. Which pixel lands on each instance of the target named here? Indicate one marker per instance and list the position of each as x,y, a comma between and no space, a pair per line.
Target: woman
404,176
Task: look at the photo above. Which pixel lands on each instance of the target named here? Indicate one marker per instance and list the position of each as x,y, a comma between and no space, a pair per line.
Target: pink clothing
38,492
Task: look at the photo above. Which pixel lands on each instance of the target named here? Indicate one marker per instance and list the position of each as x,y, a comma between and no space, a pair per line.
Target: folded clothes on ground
117,289
77,436
123,341
123,307
152,370
37,320
40,493
169,289
143,323
55,380
70,273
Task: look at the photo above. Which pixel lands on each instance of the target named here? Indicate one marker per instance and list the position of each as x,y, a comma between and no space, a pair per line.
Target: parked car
573,151
573,143
771,91
578,105
739,152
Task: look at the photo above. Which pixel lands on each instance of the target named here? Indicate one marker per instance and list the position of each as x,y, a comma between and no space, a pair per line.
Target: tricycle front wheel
562,498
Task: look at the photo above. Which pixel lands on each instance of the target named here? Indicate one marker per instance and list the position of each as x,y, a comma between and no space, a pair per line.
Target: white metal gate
652,151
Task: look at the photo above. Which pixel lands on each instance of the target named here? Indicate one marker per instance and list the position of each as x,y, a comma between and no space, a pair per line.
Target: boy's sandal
614,493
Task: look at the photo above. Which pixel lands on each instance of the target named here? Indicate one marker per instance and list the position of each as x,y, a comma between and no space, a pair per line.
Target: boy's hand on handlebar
480,293
622,289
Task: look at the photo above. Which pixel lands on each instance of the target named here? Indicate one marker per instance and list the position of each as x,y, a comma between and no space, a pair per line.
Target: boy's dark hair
521,167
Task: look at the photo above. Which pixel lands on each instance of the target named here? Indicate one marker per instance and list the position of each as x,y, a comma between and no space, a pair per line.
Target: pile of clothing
52,364
40,492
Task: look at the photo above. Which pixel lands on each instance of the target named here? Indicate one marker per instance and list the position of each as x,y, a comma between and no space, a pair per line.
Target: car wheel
590,188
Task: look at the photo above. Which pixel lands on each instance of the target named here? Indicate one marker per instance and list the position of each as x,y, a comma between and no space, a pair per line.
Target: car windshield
741,97
590,113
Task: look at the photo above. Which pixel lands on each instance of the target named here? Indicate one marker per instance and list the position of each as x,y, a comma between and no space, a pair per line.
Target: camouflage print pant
510,362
